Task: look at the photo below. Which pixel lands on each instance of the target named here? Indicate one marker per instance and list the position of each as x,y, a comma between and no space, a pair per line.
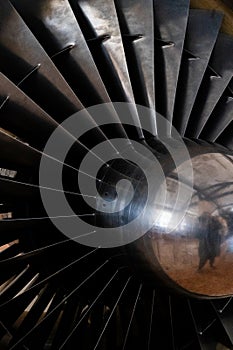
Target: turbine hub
189,245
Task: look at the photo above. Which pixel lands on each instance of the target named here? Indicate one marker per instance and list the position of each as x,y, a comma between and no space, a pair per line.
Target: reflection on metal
197,254
25,62
213,85
202,31
102,18
171,18
61,33
221,116
138,39
57,56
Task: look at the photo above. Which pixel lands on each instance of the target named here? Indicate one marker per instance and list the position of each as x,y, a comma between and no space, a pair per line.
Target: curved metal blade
170,26
56,28
24,61
102,17
202,30
221,117
109,52
216,79
22,117
137,27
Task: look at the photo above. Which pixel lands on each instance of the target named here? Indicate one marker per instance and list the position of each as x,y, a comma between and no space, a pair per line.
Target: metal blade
68,49
216,79
108,51
170,27
32,124
21,116
67,43
102,17
138,38
24,275
25,160
221,117
36,312
24,61
202,30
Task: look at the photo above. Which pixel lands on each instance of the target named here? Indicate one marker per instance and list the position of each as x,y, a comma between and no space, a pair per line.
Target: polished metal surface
57,56
215,82
189,246
60,31
221,117
24,61
202,31
23,117
195,256
102,17
30,125
138,37
171,18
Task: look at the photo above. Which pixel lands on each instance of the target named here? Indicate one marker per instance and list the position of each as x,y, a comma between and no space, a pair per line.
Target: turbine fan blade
216,80
201,35
171,66
170,26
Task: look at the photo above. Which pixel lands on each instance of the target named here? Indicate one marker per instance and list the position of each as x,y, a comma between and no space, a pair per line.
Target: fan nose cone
190,246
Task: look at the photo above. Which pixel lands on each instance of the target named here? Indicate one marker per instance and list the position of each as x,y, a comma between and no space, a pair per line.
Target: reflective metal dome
196,253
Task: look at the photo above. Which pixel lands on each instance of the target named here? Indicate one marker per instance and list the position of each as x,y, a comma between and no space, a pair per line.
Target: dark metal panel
225,315
185,336
170,27
203,322
202,30
10,226
60,322
13,191
24,61
12,251
226,138
17,154
217,78
162,336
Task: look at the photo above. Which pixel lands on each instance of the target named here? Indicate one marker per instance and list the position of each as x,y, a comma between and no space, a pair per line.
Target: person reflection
210,234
